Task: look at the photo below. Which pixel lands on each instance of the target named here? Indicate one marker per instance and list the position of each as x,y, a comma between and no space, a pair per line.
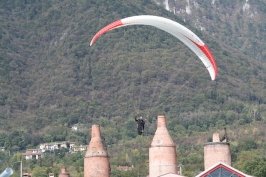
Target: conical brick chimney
216,151
64,173
96,161
162,152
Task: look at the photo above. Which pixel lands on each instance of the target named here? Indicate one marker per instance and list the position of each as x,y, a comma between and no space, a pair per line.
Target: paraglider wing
172,27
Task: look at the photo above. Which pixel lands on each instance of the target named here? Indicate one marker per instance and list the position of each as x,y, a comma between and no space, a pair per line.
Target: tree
252,162
48,138
247,144
256,167
220,123
39,171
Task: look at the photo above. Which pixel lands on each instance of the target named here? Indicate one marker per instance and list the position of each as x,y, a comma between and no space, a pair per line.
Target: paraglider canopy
179,31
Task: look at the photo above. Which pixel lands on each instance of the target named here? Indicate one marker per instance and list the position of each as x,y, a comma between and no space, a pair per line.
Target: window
222,171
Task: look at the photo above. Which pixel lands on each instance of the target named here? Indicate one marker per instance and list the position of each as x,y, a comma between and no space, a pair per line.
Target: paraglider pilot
140,124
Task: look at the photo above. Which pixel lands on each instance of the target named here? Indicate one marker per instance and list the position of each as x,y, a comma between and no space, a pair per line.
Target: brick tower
96,161
162,151
216,151
64,173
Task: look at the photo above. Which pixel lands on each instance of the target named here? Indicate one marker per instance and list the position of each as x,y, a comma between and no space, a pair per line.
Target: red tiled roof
32,153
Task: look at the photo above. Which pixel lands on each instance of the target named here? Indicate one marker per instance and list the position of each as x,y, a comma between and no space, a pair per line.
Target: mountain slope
53,76
240,24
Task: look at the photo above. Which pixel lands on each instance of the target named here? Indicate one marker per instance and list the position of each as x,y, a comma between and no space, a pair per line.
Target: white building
56,145
79,148
33,154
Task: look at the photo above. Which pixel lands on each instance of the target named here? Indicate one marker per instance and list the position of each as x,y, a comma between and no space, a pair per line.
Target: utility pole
21,168
180,168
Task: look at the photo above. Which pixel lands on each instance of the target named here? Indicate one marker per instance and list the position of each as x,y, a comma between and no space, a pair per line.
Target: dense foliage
51,79
239,24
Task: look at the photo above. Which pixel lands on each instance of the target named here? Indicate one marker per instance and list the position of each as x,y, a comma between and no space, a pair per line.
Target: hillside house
79,127
26,175
79,148
170,175
33,154
125,168
56,145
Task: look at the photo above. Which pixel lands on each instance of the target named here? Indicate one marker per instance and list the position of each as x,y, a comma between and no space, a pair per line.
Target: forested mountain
240,24
52,79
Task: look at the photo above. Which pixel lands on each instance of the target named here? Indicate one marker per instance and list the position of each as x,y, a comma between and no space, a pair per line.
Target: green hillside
52,79
239,24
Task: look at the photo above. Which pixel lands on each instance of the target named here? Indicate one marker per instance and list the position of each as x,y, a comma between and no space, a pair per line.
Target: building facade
32,154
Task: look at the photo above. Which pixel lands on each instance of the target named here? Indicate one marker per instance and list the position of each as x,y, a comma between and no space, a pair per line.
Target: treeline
126,148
